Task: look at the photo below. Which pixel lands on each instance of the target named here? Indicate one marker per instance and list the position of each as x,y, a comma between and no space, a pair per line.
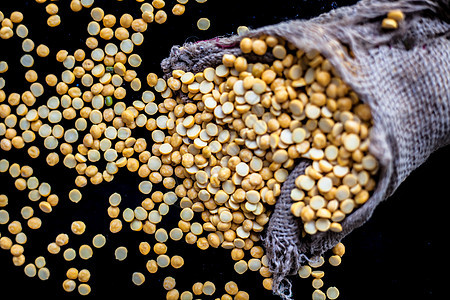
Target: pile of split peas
222,155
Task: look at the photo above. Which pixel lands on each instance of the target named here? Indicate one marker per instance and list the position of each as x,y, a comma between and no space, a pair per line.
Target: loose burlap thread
403,75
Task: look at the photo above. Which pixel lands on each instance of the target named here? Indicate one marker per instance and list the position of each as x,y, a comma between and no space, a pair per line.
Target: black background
393,256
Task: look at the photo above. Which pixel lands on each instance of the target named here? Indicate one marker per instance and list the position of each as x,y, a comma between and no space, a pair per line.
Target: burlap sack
404,75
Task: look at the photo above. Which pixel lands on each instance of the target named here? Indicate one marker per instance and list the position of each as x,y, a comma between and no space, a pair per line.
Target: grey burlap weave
404,75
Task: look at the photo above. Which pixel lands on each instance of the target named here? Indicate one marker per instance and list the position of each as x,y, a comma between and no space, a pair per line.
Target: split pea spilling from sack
339,109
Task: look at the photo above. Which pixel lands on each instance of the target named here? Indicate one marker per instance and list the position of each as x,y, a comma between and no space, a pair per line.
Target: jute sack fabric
403,74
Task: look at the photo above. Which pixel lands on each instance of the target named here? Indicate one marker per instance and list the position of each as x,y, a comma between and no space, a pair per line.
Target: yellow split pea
203,23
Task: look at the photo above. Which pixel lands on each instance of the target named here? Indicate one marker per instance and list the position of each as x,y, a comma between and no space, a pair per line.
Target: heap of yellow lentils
222,155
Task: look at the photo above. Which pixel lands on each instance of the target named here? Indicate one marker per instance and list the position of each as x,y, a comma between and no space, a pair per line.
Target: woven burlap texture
403,74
